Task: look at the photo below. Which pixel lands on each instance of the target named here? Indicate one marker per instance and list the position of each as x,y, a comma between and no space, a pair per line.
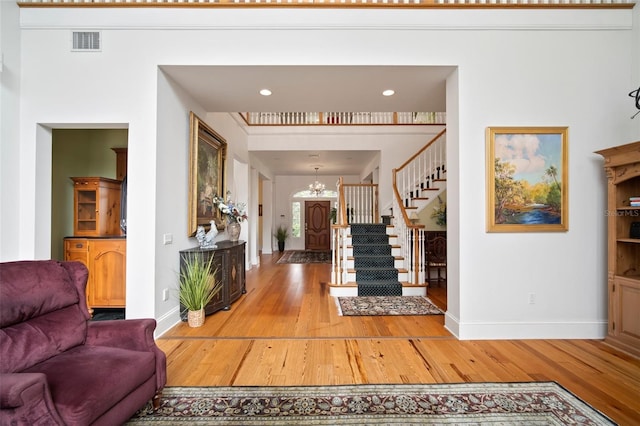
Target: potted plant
198,287
282,233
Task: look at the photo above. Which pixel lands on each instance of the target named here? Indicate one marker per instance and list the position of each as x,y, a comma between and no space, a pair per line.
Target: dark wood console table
229,266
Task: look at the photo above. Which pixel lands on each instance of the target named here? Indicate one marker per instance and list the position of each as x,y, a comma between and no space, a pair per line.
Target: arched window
328,193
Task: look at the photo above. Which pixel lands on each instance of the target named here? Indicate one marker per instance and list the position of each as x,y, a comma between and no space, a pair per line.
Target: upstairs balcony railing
390,4
336,118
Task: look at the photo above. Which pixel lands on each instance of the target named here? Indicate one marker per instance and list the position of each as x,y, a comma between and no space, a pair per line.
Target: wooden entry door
317,235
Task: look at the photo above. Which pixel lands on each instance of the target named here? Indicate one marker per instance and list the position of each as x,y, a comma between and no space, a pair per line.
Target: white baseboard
167,321
414,291
352,291
345,291
452,324
524,330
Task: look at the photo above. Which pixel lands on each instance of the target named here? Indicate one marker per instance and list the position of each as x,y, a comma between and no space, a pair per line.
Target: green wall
76,153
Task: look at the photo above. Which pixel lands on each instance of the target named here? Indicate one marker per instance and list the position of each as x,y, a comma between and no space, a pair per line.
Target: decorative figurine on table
205,240
200,235
210,236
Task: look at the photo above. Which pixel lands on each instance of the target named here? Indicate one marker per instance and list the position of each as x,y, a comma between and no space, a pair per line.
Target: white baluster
360,206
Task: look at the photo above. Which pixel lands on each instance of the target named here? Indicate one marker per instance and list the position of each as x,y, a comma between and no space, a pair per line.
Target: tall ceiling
314,89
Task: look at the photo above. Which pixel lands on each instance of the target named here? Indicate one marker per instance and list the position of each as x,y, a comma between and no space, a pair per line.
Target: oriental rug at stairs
542,403
386,305
373,262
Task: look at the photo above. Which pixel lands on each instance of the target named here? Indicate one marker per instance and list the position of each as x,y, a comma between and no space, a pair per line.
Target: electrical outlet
167,239
532,298
165,294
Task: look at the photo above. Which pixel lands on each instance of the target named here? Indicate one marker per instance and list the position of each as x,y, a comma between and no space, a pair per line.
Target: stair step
369,239
350,289
368,228
379,288
371,249
404,284
376,274
379,261
394,257
400,270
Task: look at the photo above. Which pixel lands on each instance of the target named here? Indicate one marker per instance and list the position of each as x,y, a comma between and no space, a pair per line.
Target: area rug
386,305
542,403
305,256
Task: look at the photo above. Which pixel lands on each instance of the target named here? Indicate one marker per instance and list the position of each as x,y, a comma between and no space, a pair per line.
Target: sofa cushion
29,289
75,376
40,316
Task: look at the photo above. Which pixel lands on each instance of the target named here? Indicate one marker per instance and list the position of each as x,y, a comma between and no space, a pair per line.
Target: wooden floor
286,331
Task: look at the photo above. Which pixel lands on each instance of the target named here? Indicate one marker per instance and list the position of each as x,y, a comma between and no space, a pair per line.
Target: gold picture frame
207,156
527,179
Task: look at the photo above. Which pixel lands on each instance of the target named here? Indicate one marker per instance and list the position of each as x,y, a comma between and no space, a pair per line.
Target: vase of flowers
233,231
234,213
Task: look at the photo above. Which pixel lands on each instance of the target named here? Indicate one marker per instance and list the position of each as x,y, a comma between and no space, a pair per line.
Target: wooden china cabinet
96,206
622,166
98,240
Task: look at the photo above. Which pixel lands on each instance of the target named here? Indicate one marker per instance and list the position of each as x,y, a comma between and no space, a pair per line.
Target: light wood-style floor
286,331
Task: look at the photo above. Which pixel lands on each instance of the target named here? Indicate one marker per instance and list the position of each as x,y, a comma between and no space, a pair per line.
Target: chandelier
316,188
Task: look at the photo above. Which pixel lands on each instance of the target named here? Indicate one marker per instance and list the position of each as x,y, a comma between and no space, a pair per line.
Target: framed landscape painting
207,155
527,179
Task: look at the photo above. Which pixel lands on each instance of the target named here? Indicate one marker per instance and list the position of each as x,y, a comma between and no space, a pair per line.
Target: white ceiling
335,163
314,89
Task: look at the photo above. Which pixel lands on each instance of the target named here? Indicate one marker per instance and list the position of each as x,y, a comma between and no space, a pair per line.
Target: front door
317,235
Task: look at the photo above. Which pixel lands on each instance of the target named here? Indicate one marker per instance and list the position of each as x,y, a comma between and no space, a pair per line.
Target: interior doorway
317,233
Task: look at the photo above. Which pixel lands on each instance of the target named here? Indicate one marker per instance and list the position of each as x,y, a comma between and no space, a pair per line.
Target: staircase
371,258
373,264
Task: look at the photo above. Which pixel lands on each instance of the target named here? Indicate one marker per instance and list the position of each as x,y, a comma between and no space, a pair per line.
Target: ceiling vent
86,41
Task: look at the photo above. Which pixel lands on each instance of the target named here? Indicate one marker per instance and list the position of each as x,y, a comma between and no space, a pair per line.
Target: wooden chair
437,259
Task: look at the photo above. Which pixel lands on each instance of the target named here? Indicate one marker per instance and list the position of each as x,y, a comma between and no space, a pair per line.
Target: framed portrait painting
527,179
207,155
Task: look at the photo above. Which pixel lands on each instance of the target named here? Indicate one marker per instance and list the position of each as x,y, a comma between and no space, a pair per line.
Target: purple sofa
59,368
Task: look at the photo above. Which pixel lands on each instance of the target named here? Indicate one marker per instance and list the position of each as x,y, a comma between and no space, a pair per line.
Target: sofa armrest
133,334
25,400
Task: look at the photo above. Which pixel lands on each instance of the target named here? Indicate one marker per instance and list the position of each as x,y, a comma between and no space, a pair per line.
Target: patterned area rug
543,403
305,256
386,305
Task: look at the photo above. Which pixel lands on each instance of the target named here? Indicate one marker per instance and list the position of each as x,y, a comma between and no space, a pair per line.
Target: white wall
396,145
9,131
172,201
285,187
172,185
515,68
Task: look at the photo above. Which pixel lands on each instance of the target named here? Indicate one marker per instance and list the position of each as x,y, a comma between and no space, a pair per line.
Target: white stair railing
411,182
357,203
419,176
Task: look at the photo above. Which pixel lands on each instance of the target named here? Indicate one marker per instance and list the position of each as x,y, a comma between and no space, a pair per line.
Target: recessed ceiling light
265,92
388,92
